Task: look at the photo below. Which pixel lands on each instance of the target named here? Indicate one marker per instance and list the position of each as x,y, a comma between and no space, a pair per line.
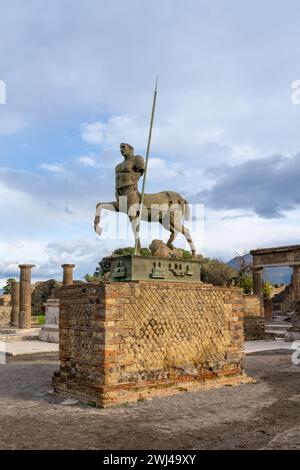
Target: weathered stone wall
41,292
121,342
254,322
5,315
5,300
282,302
293,333
254,328
252,306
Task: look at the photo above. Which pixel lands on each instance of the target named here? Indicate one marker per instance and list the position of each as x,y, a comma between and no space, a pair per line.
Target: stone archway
276,257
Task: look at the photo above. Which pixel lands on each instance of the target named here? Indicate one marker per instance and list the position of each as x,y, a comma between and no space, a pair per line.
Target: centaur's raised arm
139,164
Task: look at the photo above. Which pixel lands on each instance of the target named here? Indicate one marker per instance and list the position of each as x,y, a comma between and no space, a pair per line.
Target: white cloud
49,256
87,160
115,130
93,133
10,121
227,233
53,168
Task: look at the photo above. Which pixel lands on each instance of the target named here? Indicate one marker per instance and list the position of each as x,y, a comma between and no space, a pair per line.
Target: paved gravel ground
265,415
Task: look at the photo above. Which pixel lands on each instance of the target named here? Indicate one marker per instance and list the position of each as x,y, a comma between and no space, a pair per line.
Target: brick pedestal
121,342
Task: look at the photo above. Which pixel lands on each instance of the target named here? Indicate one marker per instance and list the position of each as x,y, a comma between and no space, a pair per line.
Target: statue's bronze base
153,268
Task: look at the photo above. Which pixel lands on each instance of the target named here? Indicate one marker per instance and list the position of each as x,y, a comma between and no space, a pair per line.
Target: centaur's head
126,150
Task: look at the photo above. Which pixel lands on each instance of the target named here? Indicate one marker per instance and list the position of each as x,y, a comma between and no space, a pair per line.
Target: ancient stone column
268,308
15,304
258,282
25,295
296,283
68,274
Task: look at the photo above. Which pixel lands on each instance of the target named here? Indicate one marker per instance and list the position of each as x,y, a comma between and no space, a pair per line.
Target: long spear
136,250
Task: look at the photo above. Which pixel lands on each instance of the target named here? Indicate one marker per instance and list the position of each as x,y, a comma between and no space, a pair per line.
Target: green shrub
247,284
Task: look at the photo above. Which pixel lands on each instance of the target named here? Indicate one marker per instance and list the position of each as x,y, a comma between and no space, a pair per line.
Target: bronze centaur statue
166,207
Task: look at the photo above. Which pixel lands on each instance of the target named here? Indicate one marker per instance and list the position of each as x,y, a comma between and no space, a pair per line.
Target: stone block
49,332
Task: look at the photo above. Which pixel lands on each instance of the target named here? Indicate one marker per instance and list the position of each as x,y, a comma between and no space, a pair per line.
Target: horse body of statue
166,207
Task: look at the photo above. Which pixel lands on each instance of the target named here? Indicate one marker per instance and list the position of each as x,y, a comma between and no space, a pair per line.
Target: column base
49,333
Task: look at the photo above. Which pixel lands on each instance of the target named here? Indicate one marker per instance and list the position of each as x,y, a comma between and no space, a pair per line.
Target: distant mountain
273,275
1,291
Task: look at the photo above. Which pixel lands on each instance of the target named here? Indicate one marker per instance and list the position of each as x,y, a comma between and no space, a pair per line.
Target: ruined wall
121,342
252,306
41,292
5,300
4,315
282,301
254,321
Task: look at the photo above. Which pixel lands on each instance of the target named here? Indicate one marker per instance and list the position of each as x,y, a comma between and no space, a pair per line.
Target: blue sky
79,78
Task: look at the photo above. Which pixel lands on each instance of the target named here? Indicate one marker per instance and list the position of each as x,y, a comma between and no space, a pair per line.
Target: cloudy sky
79,78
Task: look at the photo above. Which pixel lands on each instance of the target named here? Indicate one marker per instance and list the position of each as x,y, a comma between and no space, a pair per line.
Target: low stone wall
254,328
124,341
254,322
293,333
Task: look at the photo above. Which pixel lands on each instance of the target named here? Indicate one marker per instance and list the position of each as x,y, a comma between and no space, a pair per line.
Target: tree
216,272
267,290
90,278
247,284
7,289
243,268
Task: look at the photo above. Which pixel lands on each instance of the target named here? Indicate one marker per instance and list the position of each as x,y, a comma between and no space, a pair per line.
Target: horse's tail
186,210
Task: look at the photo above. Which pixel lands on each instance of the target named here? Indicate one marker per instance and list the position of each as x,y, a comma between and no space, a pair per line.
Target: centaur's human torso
128,174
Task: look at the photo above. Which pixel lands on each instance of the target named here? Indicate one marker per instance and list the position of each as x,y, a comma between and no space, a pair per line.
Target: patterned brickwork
122,342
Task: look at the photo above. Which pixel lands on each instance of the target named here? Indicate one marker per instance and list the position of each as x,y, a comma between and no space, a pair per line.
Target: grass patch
41,319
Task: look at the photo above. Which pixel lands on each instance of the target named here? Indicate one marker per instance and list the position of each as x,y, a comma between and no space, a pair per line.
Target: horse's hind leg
168,224
135,224
182,229
171,239
171,228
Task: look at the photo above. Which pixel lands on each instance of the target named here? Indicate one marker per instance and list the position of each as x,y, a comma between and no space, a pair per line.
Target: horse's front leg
110,206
